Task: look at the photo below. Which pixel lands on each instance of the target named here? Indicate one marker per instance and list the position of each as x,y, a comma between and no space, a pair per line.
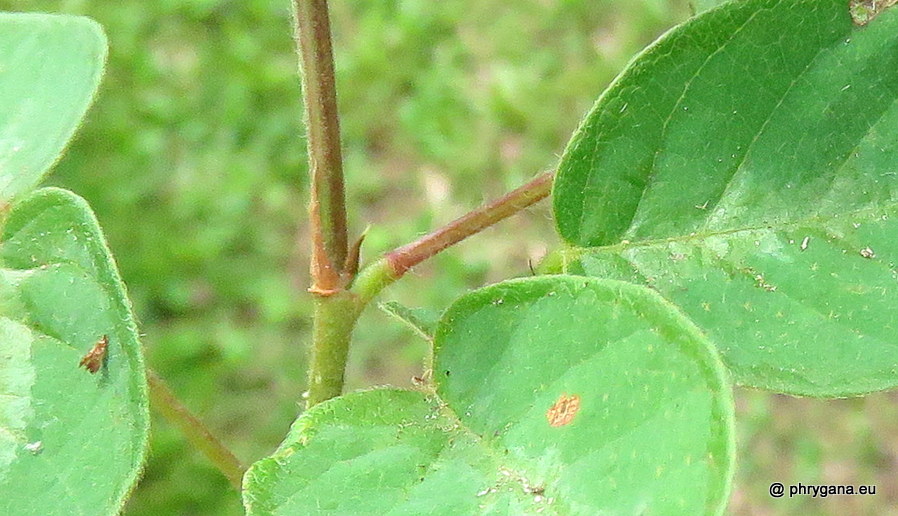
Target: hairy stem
407,256
336,315
335,318
396,263
335,310
163,400
327,210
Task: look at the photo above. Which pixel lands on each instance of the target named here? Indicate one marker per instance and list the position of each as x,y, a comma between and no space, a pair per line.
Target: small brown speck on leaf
564,410
535,490
93,360
423,380
762,283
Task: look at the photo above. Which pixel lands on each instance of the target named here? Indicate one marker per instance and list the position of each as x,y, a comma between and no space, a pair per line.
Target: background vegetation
194,160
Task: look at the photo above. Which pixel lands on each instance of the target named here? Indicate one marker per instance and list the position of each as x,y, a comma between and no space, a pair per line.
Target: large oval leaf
746,167
71,441
50,67
554,395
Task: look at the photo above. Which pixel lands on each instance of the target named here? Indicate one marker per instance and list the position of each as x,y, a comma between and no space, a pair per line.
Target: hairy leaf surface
72,442
50,67
553,395
746,167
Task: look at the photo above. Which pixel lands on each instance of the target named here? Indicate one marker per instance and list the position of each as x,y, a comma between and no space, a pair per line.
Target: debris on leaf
864,11
762,283
35,448
489,490
867,253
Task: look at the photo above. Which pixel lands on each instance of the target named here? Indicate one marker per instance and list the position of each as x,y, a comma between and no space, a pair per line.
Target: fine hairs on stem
337,307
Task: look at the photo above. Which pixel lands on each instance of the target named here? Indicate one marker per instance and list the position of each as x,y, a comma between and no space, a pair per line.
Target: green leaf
649,426
746,167
50,67
71,442
423,322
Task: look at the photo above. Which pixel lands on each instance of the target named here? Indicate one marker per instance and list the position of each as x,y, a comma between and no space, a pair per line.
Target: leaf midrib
572,252
663,136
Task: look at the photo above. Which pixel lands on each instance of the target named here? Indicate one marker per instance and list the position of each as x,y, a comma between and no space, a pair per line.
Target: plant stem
407,256
396,263
335,318
336,310
164,400
327,210
336,315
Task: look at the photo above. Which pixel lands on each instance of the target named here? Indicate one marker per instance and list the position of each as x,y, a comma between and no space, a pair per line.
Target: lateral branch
402,259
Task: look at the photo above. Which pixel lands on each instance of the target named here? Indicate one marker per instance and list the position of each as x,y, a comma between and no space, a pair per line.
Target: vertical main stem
336,310
327,210
335,318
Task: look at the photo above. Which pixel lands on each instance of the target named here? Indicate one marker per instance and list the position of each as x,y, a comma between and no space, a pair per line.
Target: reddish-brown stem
402,259
327,210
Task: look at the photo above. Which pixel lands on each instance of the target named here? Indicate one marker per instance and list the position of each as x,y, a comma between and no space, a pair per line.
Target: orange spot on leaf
564,410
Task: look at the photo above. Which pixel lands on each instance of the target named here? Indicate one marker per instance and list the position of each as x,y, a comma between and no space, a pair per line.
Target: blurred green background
194,159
